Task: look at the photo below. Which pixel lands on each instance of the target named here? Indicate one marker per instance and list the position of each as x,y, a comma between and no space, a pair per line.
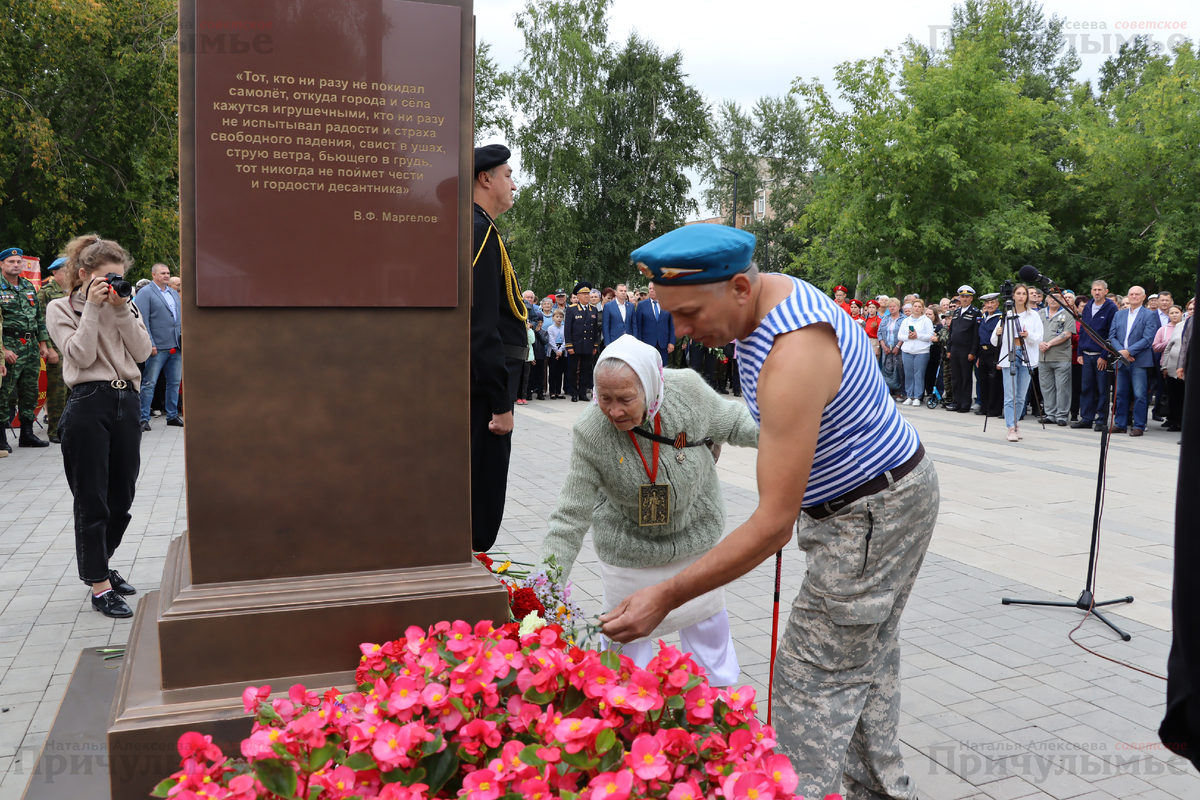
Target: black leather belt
873,486
119,383
516,351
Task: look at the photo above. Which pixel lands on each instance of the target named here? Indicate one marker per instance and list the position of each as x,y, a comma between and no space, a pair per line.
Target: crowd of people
1037,359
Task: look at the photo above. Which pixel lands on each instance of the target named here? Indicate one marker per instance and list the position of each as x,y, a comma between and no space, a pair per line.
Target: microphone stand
1087,601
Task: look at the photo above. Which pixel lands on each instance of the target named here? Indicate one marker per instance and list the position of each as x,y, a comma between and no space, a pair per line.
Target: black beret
489,156
579,287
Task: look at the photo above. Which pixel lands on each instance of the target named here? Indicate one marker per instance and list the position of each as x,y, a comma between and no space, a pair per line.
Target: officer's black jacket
493,325
964,329
582,328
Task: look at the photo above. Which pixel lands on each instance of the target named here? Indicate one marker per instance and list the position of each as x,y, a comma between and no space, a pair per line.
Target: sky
744,50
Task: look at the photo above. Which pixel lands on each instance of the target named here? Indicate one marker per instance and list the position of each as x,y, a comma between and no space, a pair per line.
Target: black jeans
101,437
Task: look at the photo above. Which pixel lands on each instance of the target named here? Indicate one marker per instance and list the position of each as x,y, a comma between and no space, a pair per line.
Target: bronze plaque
327,143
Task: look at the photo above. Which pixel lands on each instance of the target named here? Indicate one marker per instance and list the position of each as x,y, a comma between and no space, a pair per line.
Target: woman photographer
1018,336
102,338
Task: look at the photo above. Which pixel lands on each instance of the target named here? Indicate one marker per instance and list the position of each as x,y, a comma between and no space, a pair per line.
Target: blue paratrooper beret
11,251
693,254
58,262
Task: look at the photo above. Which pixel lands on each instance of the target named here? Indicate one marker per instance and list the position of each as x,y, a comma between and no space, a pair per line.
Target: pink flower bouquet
486,713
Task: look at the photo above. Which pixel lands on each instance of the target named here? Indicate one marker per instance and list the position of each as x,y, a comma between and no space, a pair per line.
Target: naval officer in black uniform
582,336
964,349
499,345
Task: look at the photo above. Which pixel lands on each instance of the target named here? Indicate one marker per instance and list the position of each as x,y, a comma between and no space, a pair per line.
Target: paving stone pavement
998,704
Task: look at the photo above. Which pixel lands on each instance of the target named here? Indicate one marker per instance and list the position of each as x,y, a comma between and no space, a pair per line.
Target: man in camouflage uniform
4,449
56,391
25,340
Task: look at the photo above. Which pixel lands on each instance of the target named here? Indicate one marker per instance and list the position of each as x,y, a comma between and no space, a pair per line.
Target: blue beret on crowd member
12,251
581,286
490,156
58,262
695,254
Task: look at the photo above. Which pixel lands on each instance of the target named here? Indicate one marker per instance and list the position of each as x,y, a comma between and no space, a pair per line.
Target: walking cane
774,633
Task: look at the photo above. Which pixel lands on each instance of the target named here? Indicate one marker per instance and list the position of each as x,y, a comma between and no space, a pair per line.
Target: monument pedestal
325,250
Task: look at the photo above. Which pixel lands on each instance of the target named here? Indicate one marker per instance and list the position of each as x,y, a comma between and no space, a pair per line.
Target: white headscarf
646,363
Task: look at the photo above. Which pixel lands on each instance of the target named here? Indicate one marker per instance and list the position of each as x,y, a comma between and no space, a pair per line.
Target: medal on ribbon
654,500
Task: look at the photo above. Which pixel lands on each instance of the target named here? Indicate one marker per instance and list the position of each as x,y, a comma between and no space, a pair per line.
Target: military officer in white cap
964,349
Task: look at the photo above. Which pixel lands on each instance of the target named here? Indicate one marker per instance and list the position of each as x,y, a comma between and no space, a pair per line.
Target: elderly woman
654,506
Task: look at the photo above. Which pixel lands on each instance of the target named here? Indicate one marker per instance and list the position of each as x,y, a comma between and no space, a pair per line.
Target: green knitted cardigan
601,488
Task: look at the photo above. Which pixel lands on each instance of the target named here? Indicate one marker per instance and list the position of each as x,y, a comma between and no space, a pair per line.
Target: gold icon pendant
654,504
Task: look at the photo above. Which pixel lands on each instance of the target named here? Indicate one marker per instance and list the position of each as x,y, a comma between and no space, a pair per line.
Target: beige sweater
98,342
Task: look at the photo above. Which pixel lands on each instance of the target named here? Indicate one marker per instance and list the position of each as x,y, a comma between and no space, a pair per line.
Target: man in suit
1093,383
161,310
618,318
654,325
1132,333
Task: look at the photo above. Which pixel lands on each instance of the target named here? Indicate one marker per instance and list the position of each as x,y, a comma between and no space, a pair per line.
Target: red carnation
485,559
525,600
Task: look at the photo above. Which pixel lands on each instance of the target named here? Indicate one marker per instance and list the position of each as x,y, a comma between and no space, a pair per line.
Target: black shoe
574,398
962,410
145,426
119,584
1174,428
1166,423
737,394
175,422
1118,430
1062,423
1158,418
110,604
541,396
54,438
952,406
27,437
1081,424
1098,427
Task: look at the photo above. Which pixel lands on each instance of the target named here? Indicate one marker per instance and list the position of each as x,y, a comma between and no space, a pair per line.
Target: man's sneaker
175,422
145,426
110,604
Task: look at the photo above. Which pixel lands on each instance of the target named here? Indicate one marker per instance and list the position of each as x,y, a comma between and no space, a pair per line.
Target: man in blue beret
57,392
24,347
499,345
837,460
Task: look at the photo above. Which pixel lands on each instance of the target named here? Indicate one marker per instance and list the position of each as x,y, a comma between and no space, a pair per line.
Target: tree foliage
88,125
492,117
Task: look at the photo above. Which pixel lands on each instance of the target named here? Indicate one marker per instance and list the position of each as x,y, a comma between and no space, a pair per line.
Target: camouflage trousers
21,382
947,387
57,395
837,674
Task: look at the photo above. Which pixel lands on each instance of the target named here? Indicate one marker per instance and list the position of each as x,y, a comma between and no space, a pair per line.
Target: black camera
118,284
1006,292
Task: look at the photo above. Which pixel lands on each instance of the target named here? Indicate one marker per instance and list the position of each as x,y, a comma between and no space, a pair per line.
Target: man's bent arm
799,378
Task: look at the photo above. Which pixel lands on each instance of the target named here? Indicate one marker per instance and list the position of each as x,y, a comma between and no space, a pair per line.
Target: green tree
88,125
927,178
556,93
784,148
653,126
1136,172
734,150
491,85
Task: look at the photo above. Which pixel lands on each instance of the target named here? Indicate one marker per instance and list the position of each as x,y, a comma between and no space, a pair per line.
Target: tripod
1087,601
1011,334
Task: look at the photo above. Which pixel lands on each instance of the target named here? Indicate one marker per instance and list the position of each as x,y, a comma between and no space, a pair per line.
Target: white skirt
620,582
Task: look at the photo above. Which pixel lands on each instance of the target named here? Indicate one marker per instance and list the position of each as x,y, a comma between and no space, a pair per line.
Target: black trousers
991,390
489,464
1174,391
101,436
579,374
960,376
558,371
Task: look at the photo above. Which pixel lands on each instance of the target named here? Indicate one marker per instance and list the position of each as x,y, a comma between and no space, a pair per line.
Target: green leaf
413,776
394,776
675,701
321,756
693,682
461,707
441,768
581,759
612,757
277,776
164,787
573,699
529,756
610,659
605,740
361,761
541,698
314,792
433,745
